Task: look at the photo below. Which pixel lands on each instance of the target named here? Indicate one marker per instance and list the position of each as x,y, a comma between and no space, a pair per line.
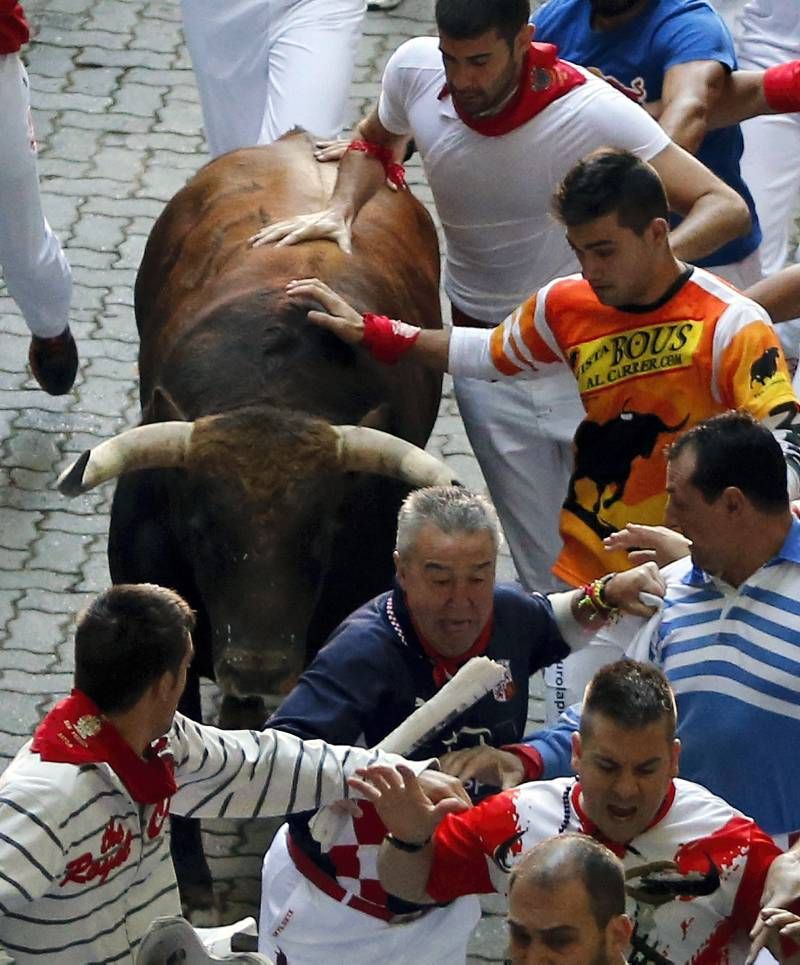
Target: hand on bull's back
327,225
339,317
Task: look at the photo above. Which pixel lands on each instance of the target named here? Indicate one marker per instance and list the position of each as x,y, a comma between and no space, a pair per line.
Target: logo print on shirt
604,454
115,849
506,689
611,359
765,370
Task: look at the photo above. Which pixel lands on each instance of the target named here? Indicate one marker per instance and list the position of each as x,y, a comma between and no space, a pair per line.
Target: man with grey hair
386,659
566,903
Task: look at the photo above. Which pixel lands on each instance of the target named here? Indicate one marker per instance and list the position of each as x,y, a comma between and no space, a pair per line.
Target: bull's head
244,473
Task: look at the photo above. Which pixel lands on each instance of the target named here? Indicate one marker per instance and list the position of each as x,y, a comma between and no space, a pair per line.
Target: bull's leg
141,550
188,856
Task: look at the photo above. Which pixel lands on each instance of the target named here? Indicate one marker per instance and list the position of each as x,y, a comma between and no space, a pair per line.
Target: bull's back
198,258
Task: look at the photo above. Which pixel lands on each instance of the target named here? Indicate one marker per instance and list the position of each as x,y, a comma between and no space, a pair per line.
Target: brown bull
237,491
268,551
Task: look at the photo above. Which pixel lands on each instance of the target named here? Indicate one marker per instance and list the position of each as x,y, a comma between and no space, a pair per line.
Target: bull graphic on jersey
765,367
604,454
503,852
659,882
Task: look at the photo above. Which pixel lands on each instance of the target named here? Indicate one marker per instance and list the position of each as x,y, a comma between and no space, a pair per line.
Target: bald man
566,903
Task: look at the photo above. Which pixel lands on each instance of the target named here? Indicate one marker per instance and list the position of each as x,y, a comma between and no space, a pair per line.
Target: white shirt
493,194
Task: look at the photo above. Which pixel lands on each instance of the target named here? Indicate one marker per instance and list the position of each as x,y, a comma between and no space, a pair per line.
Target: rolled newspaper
475,679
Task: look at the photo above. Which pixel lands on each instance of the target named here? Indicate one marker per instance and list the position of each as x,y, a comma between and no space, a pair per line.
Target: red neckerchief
589,827
544,79
76,732
13,28
446,667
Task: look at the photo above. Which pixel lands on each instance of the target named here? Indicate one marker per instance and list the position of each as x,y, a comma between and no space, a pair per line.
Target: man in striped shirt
728,637
85,864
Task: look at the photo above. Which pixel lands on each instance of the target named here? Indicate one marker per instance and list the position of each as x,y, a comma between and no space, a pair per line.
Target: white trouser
309,927
742,273
522,438
33,264
770,168
265,66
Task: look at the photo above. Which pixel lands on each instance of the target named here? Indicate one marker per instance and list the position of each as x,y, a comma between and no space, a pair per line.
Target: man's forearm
405,874
713,220
779,294
360,176
686,123
432,348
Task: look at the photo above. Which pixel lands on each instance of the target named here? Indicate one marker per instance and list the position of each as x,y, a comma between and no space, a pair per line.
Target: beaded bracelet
593,600
395,172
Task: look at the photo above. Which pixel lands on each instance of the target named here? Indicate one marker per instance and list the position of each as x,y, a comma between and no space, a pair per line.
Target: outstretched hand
402,805
326,225
781,890
645,543
339,317
486,765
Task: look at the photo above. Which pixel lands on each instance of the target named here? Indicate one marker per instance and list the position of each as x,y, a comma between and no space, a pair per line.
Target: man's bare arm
411,817
689,93
360,176
431,347
779,294
713,213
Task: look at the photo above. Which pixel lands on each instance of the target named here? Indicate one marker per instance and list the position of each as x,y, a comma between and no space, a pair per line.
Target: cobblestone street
119,130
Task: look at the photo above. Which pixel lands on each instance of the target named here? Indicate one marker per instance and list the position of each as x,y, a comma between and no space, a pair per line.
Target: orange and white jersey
644,377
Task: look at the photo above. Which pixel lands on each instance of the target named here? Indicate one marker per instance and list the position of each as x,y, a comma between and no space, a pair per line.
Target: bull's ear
378,418
163,408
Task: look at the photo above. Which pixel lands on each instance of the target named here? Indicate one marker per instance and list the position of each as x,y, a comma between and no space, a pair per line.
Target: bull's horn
361,449
160,445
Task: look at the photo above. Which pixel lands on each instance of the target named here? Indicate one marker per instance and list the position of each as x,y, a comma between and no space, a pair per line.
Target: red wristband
782,87
530,757
387,339
394,171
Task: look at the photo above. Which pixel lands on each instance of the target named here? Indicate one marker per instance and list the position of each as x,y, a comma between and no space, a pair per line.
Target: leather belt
462,320
334,890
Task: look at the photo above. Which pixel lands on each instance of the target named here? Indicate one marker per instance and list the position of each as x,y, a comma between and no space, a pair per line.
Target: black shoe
54,362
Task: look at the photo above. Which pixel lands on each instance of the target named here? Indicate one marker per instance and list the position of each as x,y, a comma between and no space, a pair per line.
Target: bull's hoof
242,713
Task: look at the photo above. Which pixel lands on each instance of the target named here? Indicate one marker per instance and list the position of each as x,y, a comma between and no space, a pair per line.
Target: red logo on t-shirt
115,849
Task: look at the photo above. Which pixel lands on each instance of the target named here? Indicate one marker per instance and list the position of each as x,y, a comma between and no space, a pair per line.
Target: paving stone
37,632
95,81
19,530
21,715
41,683
116,163
140,99
40,579
48,61
67,604
60,552
123,207
70,101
